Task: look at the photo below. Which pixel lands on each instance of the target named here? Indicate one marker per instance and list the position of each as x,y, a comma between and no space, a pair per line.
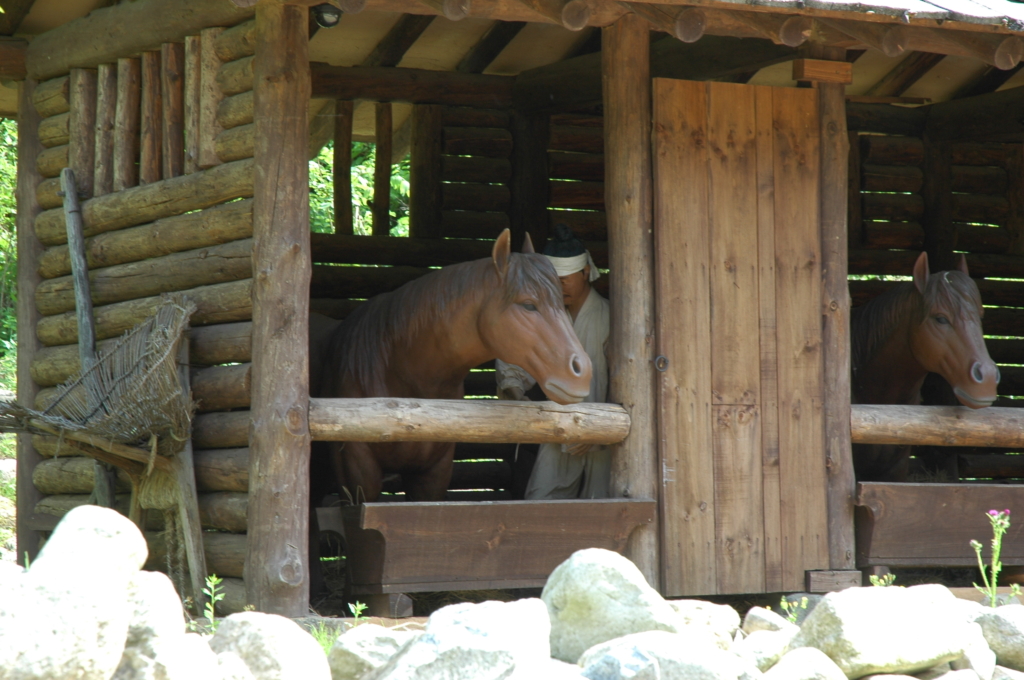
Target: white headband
570,265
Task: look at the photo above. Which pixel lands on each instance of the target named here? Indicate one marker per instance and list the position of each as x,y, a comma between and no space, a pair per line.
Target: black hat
564,243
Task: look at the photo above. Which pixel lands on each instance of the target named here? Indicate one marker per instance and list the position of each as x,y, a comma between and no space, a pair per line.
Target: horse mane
361,347
872,325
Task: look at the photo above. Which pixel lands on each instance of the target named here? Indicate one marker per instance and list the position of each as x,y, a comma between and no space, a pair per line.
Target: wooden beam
572,14
381,207
416,86
453,10
106,119
151,125
399,39
905,74
210,96
126,123
105,34
626,71
937,425
12,58
985,117
82,129
343,167
490,46
462,420
823,71
277,573
990,81
172,93
425,171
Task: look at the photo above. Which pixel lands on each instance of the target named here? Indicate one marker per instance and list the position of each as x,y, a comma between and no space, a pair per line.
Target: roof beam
12,58
406,31
905,74
416,86
573,15
988,117
990,81
15,12
490,46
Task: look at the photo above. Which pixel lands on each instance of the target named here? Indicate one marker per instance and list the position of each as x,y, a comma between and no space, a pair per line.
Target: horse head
948,339
524,322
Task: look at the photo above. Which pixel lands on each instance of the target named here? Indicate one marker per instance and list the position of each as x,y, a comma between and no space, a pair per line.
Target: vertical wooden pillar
172,91
193,75
626,77
382,171
210,96
150,145
276,563
425,171
854,202
126,126
529,189
937,192
29,252
106,113
835,169
343,167
82,129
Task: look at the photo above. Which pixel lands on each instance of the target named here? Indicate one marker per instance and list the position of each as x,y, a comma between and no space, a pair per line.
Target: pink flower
994,513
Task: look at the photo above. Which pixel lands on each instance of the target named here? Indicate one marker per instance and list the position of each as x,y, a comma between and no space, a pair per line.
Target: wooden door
737,248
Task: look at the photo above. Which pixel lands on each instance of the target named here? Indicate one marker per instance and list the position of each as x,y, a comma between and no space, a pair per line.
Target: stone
946,673
1002,673
486,641
801,605
89,542
548,669
1003,628
885,630
763,648
805,663
978,656
273,647
172,657
598,595
759,618
719,621
231,667
364,648
156,609
660,655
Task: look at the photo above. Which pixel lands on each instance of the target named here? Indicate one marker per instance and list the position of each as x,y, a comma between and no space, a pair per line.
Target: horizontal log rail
465,420
936,425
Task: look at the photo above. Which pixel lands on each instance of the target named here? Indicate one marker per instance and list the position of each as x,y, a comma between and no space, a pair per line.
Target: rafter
406,31
990,81
905,74
12,59
15,12
573,15
490,46
453,10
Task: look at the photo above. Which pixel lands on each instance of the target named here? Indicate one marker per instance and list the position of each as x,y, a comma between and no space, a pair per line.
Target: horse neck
891,374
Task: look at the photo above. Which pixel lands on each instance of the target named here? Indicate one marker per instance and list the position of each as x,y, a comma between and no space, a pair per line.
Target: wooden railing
936,425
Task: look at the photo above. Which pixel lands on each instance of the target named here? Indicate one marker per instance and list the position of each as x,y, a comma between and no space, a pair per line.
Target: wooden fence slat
150,144
343,167
106,115
382,170
127,122
172,92
684,338
193,90
82,129
210,96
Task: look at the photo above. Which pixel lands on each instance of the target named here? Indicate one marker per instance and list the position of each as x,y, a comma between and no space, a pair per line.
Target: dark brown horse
421,340
929,325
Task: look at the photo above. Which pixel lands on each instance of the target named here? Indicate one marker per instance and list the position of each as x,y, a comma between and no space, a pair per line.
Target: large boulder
1003,628
155,609
978,656
660,655
598,595
487,641
759,618
90,542
273,647
717,621
805,663
364,648
763,648
886,630
170,657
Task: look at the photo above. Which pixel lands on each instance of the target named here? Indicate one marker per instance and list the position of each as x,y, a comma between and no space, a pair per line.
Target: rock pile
84,610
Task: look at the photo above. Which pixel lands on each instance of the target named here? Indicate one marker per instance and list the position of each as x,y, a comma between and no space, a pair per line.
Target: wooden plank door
736,178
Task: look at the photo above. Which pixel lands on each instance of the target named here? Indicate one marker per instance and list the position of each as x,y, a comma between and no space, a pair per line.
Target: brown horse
421,340
929,325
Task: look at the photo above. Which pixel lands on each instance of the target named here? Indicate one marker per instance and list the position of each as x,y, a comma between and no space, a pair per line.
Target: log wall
165,209
908,194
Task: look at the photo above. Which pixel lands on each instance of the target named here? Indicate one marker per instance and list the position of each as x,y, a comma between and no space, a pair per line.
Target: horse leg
432,483
357,470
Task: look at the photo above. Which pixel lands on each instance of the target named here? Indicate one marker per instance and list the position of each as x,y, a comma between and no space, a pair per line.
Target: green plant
324,635
792,609
1000,520
357,609
882,581
214,595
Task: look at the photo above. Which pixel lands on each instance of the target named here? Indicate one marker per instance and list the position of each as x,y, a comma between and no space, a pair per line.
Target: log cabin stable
740,169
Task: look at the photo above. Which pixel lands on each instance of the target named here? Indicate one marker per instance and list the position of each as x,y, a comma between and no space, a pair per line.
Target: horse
421,340
929,325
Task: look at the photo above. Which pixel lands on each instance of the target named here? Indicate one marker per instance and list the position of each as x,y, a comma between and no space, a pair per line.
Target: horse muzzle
564,394
973,402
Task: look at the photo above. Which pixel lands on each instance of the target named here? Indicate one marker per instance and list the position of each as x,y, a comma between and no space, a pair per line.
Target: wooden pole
188,497
150,145
836,318
210,96
625,65
126,127
937,195
936,425
343,167
529,188
82,129
425,171
382,171
277,573
29,251
193,78
172,91
106,114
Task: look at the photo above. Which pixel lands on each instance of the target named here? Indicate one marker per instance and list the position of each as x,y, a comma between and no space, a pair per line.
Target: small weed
324,635
357,609
882,581
792,609
215,595
1000,520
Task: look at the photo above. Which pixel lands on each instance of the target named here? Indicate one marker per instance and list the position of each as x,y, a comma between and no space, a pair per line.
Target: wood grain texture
106,119
82,129
193,90
127,122
277,575
625,67
688,564
343,167
51,97
416,86
172,93
210,96
151,121
425,171
236,42
381,205
936,425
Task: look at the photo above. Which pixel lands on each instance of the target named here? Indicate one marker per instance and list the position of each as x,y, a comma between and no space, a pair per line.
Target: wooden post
854,218
193,71
343,167
172,91
625,65
276,569
126,128
529,191
106,113
188,498
382,171
150,145
836,318
425,171
82,129
937,192
29,252
210,96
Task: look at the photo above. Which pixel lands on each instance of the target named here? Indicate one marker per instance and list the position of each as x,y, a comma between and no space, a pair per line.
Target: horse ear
501,251
528,245
921,272
961,264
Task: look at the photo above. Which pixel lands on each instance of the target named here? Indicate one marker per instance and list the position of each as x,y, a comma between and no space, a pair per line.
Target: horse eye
942,320
529,306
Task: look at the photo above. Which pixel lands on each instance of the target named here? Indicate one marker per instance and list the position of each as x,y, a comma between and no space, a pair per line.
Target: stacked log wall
165,210
908,195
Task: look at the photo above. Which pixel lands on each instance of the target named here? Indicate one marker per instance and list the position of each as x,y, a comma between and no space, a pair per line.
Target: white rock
175,657
660,655
948,674
805,663
474,642
91,541
549,669
231,667
885,630
156,609
273,647
1002,673
1003,628
365,648
720,621
759,618
978,656
597,595
763,648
